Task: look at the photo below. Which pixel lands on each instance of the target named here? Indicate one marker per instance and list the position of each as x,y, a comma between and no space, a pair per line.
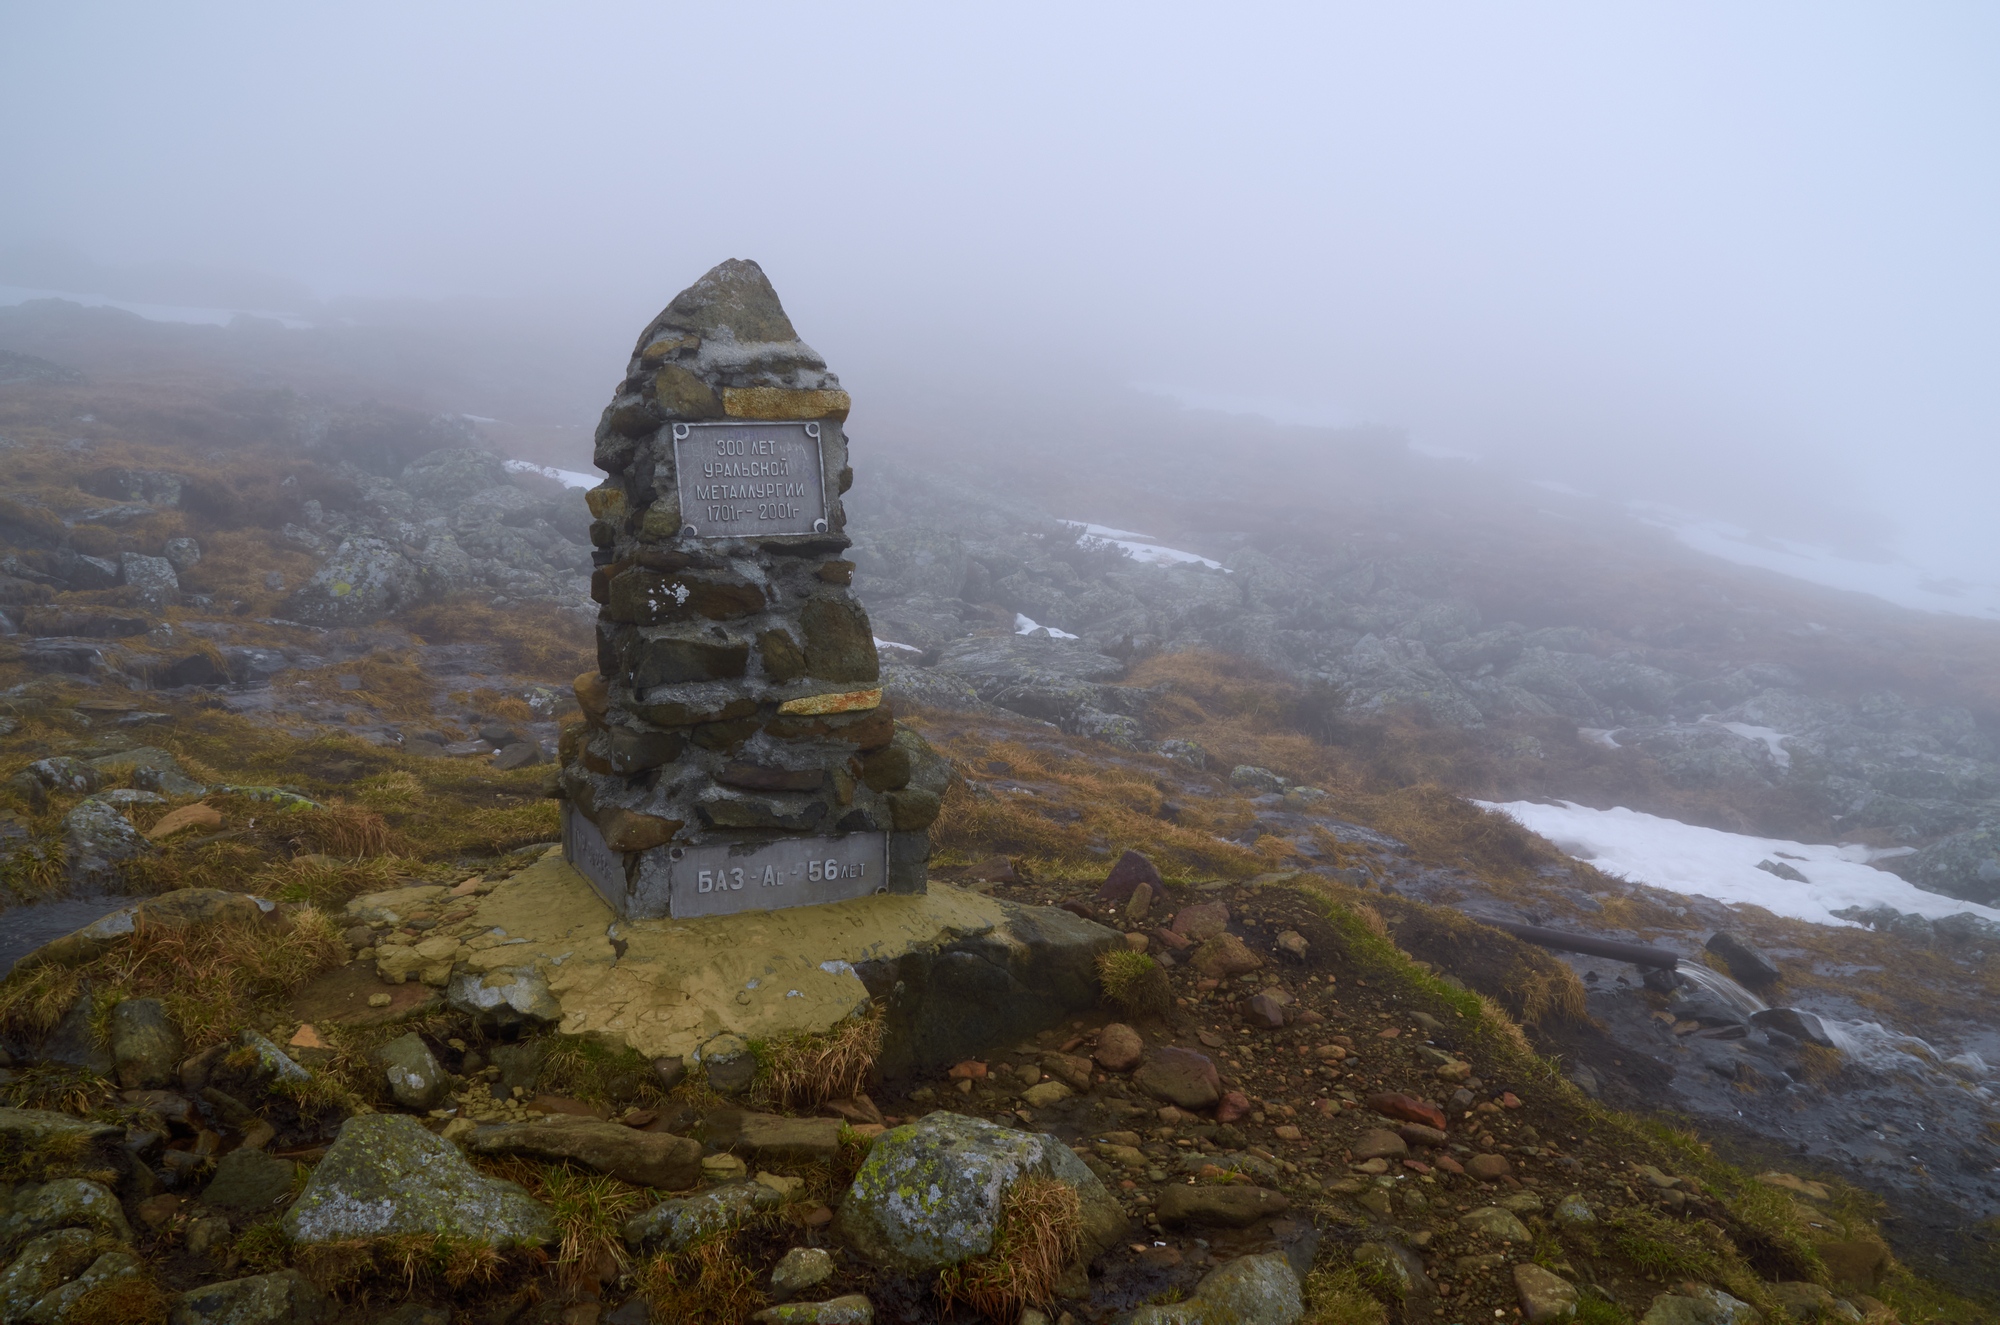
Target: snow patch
881,643
1604,736
1707,862
1026,625
1891,579
1135,544
1770,736
569,478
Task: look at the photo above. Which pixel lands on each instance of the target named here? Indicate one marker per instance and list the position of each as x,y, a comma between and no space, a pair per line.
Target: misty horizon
1690,262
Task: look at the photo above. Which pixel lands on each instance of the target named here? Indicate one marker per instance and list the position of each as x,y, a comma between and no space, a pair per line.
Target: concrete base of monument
955,972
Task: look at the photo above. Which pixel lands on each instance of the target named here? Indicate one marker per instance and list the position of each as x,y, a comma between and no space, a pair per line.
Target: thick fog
1736,260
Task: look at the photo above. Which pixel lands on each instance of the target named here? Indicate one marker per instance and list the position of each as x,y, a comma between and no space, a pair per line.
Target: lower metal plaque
767,876
722,879
749,480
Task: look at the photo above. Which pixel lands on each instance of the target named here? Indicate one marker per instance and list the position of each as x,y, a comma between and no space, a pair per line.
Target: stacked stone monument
736,753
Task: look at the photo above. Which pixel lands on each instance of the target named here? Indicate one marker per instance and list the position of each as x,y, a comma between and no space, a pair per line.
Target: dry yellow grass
1039,1233
212,979
805,1071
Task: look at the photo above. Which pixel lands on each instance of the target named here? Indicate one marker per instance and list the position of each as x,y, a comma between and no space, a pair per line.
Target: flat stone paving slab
665,987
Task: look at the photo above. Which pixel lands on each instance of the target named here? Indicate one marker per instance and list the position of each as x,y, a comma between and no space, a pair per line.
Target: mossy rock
388,1175
929,1194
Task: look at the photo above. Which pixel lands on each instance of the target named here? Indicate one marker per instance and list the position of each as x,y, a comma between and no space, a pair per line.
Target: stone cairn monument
736,753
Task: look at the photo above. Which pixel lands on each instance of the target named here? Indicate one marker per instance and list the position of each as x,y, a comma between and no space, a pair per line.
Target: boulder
799,1269
1225,956
60,1306
77,1142
770,1139
929,1194
152,577
504,998
149,769
250,1180
1181,1077
1494,1222
1488,1168
63,1203
146,1046
1229,1205
1202,921
1250,1290
1131,870
1380,1143
853,1309
364,580
1745,961
1701,1306
1544,1296
415,1079
1799,1025
644,1159
1119,1048
100,841
269,1062
672,1225
1408,1108
45,1264
284,1298
387,1174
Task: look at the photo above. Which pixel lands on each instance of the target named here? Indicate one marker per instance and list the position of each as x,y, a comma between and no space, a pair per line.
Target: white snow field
569,478
1707,862
1138,546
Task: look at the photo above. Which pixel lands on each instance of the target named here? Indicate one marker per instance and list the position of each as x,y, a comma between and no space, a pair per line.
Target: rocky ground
1294,1100
273,659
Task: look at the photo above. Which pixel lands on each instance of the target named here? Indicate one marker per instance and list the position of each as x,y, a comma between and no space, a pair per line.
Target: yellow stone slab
756,974
846,701
778,403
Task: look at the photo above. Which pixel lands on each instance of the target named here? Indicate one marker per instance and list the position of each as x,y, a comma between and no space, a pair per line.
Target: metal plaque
592,857
749,480
725,878
767,876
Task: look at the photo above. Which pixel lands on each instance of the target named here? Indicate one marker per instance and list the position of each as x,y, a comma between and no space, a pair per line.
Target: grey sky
1732,255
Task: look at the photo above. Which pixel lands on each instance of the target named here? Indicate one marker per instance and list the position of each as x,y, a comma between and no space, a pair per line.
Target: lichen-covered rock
1702,1306
60,1140
271,1062
852,1309
659,1160
386,1174
100,841
152,577
930,1192
1250,1290
146,1046
504,998
364,580
60,1306
45,1264
284,1298
415,1079
671,1225
63,1203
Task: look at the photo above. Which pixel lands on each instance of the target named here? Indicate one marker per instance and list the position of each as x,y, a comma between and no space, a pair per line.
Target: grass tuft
708,1280
1134,982
805,1071
1338,1297
1040,1232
